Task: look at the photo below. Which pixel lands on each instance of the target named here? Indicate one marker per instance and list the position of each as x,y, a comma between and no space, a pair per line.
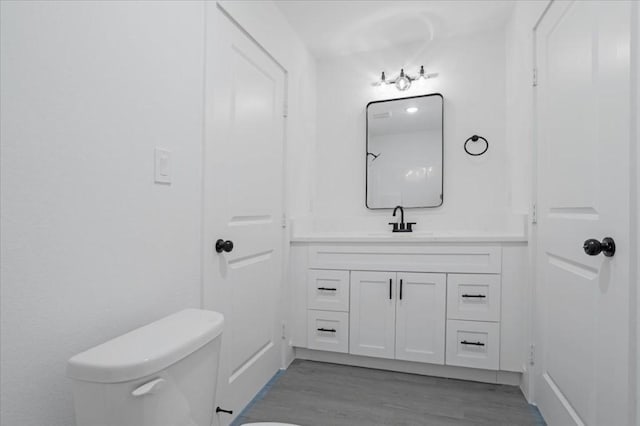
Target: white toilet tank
162,374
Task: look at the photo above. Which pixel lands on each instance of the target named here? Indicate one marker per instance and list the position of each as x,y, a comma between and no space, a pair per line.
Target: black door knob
222,245
594,247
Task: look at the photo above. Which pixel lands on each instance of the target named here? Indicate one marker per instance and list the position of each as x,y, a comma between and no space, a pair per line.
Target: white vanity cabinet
398,315
455,306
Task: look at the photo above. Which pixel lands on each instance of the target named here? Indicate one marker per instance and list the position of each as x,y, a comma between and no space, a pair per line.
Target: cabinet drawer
328,290
473,344
473,297
328,331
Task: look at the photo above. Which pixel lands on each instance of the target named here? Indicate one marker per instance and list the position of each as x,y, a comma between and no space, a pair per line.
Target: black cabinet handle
480,296
329,330
464,342
327,288
390,293
400,289
220,410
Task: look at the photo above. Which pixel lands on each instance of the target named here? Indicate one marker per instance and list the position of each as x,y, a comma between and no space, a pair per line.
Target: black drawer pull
327,288
330,330
400,289
390,293
464,342
480,296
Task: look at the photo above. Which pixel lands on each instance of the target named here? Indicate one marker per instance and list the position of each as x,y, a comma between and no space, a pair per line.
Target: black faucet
401,226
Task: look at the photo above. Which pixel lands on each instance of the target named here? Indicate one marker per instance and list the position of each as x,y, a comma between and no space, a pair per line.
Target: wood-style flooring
313,393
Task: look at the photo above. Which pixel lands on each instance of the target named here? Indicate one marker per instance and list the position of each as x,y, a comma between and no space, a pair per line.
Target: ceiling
342,27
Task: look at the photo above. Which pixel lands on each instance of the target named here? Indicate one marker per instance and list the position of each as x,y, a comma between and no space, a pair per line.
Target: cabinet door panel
372,314
474,344
474,297
420,317
328,290
328,330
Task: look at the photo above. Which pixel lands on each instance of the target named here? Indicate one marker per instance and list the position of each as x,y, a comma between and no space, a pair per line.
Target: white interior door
243,195
583,138
420,317
373,314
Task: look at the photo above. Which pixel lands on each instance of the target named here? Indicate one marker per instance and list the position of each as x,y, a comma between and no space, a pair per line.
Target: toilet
162,374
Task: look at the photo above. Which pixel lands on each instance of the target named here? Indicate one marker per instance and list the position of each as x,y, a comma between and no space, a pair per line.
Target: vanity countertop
414,237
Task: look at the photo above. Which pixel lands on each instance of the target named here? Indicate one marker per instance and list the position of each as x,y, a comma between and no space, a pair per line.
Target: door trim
534,329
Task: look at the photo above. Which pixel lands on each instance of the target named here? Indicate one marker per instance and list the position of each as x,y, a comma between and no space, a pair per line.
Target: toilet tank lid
148,349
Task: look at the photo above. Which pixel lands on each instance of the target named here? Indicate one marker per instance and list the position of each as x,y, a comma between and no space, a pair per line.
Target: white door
420,317
243,203
373,313
583,138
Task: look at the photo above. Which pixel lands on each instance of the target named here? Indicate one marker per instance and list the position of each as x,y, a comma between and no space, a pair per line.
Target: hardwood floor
313,393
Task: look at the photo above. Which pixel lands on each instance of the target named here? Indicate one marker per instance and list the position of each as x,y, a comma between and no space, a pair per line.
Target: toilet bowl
162,374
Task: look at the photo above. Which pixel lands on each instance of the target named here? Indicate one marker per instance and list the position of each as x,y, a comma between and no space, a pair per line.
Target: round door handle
222,245
594,247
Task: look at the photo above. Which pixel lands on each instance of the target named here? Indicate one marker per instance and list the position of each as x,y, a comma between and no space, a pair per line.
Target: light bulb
422,76
402,82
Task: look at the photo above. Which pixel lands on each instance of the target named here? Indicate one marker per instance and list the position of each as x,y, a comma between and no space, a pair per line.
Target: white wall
472,81
91,247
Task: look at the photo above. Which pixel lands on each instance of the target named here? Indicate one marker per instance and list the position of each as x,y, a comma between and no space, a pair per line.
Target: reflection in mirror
404,152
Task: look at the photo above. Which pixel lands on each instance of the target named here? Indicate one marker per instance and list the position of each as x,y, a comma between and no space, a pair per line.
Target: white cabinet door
420,317
328,290
372,314
474,297
328,331
474,344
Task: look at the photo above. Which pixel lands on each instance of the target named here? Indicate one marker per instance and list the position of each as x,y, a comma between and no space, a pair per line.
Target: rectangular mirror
405,152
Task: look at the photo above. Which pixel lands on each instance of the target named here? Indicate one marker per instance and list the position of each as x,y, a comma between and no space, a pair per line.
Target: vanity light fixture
403,81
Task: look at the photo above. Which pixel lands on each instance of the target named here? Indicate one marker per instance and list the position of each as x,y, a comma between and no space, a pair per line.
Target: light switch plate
162,165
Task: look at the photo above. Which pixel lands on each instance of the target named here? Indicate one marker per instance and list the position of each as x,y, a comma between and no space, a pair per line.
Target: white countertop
413,237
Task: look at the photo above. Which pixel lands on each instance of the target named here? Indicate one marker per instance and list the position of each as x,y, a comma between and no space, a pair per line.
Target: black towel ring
475,138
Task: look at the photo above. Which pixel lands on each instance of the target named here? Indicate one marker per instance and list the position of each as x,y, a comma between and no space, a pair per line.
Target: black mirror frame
366,157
